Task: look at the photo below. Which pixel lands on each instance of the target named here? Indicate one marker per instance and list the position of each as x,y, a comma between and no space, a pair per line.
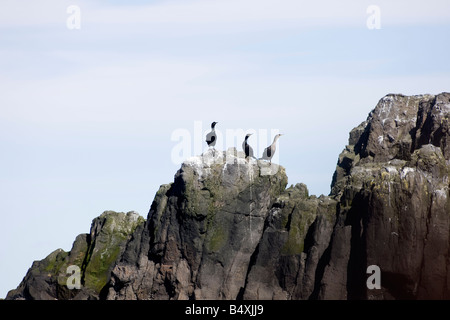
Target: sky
94,95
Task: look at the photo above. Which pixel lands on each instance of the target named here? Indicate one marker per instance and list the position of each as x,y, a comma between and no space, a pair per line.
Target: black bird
247,149
270,150
211,137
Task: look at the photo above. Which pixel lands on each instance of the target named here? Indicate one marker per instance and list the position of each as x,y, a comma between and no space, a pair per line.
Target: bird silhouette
270,150
247,149
211,137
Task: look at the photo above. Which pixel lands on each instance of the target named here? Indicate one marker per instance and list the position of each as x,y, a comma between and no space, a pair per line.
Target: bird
211,137
247,149
270,150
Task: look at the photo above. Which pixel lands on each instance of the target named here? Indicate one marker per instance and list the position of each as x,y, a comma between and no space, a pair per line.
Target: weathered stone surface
228,228
201,231
392,183
94,253
296,236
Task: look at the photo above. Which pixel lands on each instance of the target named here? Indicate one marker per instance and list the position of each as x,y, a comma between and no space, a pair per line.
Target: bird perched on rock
211,137
247,149
270,150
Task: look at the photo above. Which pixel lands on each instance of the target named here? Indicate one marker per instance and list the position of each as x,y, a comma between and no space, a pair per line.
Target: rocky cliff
228,228
392,184
94,254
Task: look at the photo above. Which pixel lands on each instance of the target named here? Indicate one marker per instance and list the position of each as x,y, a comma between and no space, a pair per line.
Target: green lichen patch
109,233
217,239
299,221
54,261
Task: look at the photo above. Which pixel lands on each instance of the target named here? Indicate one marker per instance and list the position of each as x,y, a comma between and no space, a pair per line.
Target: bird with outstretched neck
270,150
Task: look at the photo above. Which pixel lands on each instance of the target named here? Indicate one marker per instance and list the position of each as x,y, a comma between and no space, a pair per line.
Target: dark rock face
94,254
296,237
201,231
392,182
228,228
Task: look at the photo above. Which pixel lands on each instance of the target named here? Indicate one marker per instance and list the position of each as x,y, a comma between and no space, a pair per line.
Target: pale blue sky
87,115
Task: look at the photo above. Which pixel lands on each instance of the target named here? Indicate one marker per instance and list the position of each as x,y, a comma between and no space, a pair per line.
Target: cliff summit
228,228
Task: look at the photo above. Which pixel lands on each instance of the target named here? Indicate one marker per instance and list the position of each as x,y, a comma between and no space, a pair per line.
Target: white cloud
28,13
217,12
207,16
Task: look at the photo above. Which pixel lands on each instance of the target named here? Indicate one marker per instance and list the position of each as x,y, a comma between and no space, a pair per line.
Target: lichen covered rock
227,227
392,182
201,230
93,254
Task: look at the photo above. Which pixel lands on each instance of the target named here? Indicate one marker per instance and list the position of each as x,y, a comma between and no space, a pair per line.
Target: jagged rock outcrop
295,239
201,231
94,254
392,182
227,228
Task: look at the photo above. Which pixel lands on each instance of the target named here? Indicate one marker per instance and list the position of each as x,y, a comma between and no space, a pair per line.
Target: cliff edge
228,228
